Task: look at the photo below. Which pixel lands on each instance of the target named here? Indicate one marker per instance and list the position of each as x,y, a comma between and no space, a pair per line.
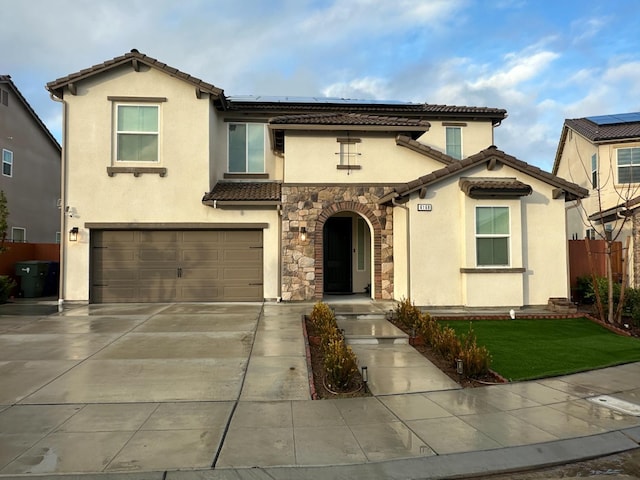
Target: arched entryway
347,245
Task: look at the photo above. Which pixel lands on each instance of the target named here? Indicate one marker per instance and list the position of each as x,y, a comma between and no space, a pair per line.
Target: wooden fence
23,252
579,260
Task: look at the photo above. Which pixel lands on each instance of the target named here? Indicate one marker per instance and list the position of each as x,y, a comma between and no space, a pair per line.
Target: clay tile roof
408,142
349,119
244,191
58,85
487,155
598,133
494,187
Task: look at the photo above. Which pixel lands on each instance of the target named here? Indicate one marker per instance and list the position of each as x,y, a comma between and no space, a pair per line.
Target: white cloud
519,68
359,88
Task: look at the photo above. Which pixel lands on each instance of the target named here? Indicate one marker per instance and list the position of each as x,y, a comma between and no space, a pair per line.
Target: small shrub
322,318
448,344
428,329
476,360
7,284
340,364
407,314
632,305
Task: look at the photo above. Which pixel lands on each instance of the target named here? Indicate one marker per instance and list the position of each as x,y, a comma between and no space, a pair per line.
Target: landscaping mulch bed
319,390
316,363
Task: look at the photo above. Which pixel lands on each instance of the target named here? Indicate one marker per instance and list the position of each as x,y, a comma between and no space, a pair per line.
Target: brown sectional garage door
176,265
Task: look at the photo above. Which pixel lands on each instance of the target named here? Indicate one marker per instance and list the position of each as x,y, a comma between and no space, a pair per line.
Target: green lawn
527,349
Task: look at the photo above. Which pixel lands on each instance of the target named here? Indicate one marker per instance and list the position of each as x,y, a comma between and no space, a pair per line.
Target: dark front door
337,255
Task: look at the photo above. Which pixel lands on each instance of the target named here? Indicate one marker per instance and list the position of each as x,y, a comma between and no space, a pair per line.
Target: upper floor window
492,236
454,142
5,97
629,165
348,152
138,131
7,163
594,170
246,148
18,234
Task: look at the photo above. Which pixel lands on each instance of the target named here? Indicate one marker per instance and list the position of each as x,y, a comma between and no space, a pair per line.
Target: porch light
303,233
73,234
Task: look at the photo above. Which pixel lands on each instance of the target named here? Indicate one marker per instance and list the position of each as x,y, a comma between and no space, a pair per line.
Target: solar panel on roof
319,100
615,119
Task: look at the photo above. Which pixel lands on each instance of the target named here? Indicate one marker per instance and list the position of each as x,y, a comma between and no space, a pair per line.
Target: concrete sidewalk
177,388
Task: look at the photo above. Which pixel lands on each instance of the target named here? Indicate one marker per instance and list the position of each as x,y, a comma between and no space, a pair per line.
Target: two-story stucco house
30,175
179,192
601,154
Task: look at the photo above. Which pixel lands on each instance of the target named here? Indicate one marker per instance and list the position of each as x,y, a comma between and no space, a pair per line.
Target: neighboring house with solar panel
601,154
30,175
179,192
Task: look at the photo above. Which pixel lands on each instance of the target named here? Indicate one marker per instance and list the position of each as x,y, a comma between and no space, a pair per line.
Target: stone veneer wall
310,206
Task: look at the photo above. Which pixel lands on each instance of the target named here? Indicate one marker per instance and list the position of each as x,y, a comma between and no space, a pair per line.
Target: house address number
424,207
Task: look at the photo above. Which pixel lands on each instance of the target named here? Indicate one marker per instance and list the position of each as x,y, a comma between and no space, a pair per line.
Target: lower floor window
18,235
492,236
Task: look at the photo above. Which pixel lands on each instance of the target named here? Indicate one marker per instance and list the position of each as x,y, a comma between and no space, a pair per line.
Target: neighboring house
30,169
601,154
181,193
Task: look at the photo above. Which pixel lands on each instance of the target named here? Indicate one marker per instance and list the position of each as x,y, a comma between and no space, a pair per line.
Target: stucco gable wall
476,136
443,242
313,158
184,150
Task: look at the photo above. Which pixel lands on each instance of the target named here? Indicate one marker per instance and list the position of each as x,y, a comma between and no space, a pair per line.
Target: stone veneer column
310,206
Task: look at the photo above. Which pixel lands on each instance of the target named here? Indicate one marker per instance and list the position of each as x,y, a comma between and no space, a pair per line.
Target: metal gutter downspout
63,202
406,209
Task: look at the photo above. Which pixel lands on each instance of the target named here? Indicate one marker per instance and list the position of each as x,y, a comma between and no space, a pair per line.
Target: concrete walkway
177,388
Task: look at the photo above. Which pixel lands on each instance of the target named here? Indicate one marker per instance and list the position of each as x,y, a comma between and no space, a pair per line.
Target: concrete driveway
137,387
168,391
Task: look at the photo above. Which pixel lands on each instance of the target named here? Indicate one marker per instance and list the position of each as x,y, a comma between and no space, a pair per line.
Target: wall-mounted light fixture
73,234
303,233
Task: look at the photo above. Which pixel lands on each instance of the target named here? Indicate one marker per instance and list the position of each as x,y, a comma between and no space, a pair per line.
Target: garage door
176,265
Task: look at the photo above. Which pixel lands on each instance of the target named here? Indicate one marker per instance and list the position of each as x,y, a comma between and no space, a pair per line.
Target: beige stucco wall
312,158
443,241
476,136
94,197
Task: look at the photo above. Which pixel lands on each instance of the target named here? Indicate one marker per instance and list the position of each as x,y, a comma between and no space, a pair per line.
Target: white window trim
476,236
246,156
446,128
116,132
9,163
24,234
624,166
594,171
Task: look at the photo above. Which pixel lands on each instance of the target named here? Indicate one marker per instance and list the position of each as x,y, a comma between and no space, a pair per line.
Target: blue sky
541,60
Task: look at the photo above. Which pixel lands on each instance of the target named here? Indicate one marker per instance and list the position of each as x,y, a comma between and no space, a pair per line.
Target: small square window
18,235
7,163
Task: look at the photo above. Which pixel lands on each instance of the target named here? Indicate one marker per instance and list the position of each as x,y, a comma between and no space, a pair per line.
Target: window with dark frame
7,163
5,98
